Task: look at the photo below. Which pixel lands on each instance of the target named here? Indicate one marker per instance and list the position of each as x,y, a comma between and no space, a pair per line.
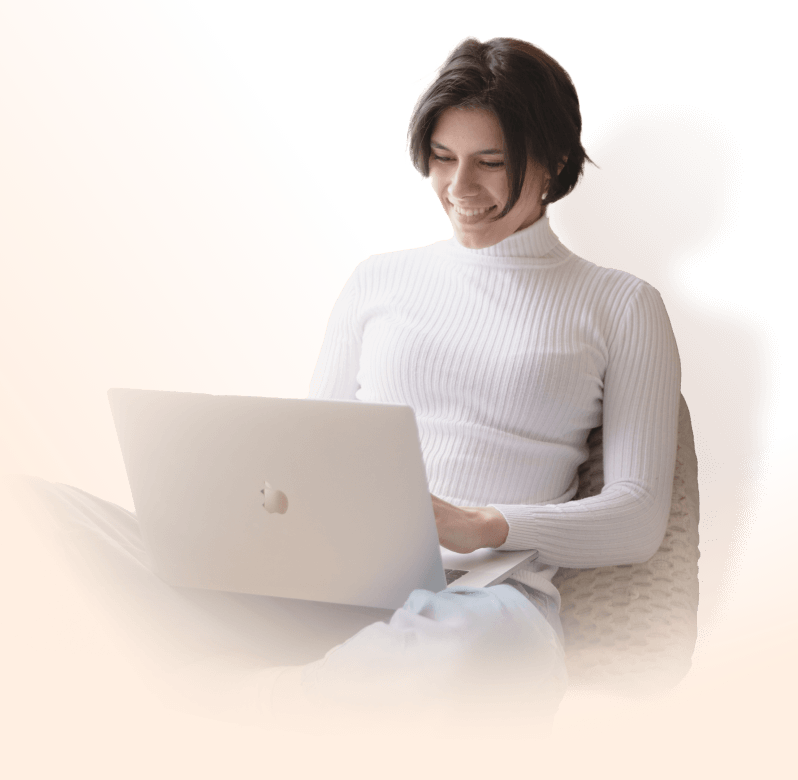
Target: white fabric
509,356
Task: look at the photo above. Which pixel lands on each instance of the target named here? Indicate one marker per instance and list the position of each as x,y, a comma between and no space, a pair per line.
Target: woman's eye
484,162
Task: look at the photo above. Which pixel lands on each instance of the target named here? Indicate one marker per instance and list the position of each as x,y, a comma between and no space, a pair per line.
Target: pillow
634,626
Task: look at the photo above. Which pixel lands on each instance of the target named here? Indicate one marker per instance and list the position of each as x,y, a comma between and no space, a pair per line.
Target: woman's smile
470,215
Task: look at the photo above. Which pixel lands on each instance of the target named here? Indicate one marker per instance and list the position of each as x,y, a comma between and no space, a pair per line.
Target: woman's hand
465,529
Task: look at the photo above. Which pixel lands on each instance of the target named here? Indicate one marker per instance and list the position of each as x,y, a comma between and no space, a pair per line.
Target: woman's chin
473,239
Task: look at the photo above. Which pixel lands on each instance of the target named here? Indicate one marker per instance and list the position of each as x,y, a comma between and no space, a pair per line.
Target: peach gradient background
184,189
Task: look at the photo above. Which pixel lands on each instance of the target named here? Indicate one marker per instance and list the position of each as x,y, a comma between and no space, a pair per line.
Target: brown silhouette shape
656,200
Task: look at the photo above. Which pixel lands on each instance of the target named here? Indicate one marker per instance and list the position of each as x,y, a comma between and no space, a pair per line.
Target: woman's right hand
465,529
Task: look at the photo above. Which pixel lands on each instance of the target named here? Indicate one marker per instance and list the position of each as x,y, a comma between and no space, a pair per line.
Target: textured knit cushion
633,627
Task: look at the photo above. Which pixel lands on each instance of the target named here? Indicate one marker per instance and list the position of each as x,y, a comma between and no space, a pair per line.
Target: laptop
304,499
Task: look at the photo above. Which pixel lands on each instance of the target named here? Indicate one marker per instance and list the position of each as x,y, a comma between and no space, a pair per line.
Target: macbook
307,499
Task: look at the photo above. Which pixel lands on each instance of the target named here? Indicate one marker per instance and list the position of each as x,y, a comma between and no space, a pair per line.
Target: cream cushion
633,627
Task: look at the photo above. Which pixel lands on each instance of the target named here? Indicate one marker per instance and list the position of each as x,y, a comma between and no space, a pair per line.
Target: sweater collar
535,242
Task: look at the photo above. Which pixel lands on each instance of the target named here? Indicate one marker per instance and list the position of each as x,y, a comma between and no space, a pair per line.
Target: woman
510,349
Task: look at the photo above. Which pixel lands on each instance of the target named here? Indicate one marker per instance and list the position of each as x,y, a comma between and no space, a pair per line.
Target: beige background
184,189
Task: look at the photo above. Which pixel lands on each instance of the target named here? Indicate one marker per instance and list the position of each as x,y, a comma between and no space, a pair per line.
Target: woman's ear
562,164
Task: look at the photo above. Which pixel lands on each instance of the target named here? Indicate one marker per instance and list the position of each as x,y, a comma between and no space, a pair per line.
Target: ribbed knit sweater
509,356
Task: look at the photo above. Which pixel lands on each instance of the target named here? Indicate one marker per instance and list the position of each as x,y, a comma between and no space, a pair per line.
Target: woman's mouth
472,215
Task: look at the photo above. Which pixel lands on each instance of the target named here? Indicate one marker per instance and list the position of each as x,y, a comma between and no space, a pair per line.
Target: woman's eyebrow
482,151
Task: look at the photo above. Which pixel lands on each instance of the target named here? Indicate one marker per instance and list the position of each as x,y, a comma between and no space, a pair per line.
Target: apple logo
274,500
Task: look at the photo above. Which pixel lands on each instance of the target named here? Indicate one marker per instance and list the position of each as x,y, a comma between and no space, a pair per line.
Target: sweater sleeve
335,375
626,522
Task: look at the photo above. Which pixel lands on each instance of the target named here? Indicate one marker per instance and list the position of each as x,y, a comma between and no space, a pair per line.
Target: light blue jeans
546,605
472,650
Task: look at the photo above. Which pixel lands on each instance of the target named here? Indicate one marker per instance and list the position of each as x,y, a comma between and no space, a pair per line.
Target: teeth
471,212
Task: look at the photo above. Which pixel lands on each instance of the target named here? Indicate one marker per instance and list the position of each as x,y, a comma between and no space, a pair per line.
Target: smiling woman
468,174
530,119
509,349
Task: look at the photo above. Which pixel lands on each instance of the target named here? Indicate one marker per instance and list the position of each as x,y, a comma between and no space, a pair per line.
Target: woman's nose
463,183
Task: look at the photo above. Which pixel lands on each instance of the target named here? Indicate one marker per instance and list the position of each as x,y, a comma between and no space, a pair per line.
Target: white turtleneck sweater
509,356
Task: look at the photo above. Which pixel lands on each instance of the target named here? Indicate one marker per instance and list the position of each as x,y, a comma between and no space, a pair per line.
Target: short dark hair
531,96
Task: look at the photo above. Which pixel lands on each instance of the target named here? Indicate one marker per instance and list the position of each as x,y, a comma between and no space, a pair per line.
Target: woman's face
467,172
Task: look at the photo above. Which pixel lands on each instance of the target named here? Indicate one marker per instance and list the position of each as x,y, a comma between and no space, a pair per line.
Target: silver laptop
318,500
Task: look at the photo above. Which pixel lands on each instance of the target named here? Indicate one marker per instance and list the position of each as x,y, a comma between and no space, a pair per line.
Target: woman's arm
335,375
626,522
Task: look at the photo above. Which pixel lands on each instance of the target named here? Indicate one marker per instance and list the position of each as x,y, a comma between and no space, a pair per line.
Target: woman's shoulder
382,275
613,295
403,255
609,279
386,264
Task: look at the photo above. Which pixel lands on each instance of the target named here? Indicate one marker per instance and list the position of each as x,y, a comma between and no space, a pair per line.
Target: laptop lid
318,500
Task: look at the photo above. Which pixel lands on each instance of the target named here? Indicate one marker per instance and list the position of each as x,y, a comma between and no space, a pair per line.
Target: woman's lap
459,645
449,650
